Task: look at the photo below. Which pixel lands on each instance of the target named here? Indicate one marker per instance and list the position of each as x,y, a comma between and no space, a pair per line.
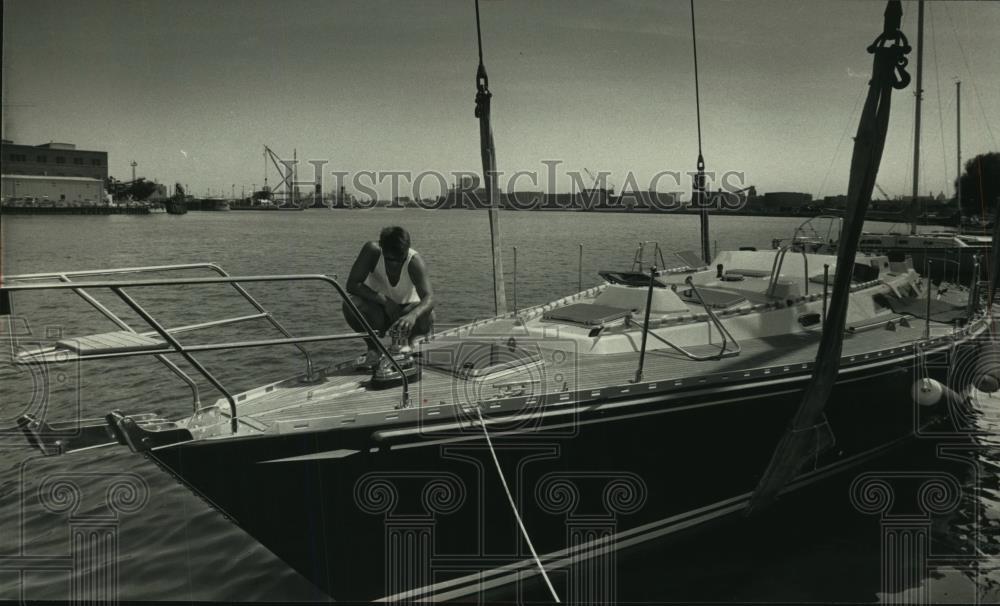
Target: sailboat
547,439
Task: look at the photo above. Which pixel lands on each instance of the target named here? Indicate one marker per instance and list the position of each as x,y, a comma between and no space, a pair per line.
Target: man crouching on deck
389,284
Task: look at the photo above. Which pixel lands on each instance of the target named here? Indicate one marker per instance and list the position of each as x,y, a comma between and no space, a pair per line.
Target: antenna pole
916,116
698,193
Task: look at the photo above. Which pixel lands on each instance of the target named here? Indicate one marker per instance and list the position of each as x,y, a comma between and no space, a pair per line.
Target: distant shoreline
713,212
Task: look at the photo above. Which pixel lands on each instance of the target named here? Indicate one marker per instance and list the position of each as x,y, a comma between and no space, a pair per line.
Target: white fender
928,392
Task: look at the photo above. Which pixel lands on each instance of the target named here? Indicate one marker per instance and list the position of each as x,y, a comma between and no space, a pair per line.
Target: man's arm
363,266
421,281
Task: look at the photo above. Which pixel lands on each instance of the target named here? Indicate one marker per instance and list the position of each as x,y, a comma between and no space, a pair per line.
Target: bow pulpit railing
161,341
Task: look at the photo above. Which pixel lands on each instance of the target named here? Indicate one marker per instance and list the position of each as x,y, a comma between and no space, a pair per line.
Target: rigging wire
904,222
513,507
968,70
843,135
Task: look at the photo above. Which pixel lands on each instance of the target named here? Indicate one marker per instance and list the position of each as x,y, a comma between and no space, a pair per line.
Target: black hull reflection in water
364,525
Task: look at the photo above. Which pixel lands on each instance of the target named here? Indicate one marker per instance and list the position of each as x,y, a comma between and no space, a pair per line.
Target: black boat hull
363,522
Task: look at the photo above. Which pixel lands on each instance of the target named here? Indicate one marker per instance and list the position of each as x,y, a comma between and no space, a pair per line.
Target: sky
193,90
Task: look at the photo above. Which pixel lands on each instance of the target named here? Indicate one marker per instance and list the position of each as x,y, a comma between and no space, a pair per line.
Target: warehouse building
53,174
51,191
53,160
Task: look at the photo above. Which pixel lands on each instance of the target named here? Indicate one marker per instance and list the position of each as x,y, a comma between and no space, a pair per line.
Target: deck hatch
716,298
588,314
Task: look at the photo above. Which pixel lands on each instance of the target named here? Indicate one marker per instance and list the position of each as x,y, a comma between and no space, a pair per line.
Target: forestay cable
513,507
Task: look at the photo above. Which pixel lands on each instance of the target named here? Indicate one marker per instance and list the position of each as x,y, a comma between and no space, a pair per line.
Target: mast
958,150
489,155
916,116
698,193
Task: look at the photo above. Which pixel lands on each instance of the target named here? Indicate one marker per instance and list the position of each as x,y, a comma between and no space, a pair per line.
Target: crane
287,173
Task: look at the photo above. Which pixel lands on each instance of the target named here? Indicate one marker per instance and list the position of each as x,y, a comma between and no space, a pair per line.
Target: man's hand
404,325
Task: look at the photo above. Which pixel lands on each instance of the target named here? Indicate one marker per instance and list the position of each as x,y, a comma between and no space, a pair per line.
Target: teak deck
342,393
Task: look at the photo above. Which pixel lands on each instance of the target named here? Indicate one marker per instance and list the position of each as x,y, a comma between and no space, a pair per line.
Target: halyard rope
513,507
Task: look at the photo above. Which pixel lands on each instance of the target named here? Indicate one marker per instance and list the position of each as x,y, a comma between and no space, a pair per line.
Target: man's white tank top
404,292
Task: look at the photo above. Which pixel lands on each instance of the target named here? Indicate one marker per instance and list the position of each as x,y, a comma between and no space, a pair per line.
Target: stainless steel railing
779,261
172,344
724,349
66,277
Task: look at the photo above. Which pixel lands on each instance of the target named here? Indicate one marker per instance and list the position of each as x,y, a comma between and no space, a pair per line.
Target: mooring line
513,507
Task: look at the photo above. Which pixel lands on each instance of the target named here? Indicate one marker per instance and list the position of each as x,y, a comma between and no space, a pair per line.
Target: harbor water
172,545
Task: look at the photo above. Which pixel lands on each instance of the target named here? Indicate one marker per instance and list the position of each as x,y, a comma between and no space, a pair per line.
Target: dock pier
74,210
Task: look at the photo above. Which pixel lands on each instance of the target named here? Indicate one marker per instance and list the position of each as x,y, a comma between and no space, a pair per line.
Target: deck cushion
940,311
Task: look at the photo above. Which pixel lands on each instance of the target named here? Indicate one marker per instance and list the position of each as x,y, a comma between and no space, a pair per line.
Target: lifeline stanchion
930,287
515,281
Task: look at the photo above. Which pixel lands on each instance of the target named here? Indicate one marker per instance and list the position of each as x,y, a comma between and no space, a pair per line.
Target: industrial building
52,191
53,160
56,174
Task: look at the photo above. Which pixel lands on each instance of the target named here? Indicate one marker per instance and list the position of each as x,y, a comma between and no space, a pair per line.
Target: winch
385,374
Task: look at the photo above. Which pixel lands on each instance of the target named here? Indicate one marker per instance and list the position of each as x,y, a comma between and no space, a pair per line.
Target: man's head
394,242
